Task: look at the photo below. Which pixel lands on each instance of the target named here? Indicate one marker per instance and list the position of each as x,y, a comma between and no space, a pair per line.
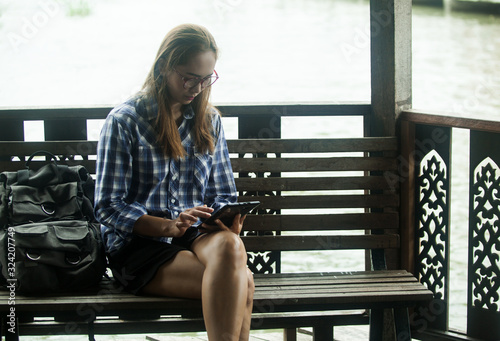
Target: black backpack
49,238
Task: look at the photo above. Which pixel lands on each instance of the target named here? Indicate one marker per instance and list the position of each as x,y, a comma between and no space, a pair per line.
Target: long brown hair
178,47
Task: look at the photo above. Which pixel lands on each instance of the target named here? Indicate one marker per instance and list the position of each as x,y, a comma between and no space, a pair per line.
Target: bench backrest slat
323,222
312,184
78,147
327,145
313,164
324,201
294,243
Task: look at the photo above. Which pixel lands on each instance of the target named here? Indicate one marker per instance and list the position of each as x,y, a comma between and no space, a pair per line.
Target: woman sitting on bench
162,164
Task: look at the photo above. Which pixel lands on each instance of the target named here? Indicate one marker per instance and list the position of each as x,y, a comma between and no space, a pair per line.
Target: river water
89,52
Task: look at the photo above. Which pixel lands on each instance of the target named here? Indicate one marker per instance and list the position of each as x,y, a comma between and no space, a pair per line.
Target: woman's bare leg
247,319
227,288
179,277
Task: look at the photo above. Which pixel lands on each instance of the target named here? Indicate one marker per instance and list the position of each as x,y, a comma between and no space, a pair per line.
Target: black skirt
135,264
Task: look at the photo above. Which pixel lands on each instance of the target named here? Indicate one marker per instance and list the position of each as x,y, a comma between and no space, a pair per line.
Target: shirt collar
146,107
188,112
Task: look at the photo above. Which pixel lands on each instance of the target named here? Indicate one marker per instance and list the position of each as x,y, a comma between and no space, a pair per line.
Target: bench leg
376,324
90,330
323,333
382,323
402,322
290,334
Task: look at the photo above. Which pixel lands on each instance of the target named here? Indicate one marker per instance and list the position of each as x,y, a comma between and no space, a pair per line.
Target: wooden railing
426,168
253,120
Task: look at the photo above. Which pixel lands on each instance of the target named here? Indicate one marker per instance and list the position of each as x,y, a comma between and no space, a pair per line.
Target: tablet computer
227,212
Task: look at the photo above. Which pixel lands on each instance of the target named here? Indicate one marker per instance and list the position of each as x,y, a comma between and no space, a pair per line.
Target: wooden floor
352,333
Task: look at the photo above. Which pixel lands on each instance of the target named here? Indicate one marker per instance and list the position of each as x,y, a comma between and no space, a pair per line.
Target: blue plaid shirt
134,177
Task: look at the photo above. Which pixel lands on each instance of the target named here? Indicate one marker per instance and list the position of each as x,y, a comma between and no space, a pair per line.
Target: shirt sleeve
113,178
221,188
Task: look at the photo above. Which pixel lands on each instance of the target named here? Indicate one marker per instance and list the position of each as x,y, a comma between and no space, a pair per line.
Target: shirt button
172,201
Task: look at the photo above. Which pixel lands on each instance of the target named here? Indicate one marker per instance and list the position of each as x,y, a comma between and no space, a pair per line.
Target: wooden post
407,190
390,25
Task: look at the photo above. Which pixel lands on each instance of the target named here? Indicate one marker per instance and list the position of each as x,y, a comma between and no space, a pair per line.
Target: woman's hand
152,226
236,227
188,218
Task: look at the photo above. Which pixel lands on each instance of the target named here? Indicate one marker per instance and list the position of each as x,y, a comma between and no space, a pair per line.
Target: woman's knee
228,247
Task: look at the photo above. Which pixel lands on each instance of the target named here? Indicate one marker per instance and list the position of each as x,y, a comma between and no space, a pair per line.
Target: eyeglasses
192,82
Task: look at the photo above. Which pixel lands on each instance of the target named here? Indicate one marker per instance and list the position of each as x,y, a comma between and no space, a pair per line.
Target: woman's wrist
169,227
151,226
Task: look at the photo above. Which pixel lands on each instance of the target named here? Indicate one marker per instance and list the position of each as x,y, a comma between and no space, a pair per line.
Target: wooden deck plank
333,279
316,289
339,275
329,295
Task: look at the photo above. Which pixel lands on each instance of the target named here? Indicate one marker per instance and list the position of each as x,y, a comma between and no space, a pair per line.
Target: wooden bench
318,195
